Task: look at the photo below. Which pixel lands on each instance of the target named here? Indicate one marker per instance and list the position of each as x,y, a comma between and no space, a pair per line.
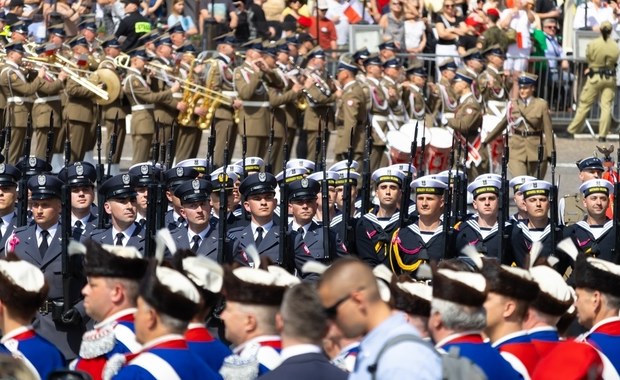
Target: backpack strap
393,342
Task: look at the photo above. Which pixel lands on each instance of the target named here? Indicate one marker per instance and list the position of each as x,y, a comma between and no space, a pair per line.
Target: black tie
259,236
142,222
77,230
301,231
119,238
44,245
180,221
196,244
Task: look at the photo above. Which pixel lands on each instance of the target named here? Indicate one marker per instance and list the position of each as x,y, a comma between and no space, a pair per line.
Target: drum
438,154
399,142
495,147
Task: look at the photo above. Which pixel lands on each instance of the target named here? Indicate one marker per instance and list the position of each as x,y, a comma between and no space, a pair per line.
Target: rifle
325,197
540,157
421,170
211,146
503,200
151,217
346,196
222,179
49,148
268,166
447,218
3,133
403,217
463,185
113,143
22,205
553,201
7,144
162,146
100,173
155,144
66,228
366,169
286,260
317,148
171,146
617,209
457,179
244,149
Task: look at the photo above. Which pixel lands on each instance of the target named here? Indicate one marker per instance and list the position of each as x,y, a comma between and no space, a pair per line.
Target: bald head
348,275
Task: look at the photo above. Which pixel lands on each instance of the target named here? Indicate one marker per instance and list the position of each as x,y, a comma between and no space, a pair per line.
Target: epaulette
98,231
235,229
20,229
231,236
238,212
97,342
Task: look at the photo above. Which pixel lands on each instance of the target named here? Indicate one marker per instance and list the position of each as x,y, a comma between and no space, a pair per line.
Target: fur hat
597,274
170,292
22,285
463,288
555,296
412,297
510,281
257,286
110,261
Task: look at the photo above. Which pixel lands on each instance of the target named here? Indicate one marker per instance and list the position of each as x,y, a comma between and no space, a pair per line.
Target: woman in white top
415,29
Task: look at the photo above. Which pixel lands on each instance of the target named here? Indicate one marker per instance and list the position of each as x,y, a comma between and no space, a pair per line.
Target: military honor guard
425,238
392,76
23,289
9,177
374,229
515,184
415,102
596,234
174,178
378,108
120,205
234,214
570,206
351,113
448,99
80,177
113,274
146,175
458,319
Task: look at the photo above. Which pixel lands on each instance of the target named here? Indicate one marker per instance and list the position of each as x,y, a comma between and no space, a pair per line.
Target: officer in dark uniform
146,174
373,232
81,177
234,214
200,235
424,239
40,244
571,207
258,192
120,204
174,178
480,230
596,235
9,176
307,234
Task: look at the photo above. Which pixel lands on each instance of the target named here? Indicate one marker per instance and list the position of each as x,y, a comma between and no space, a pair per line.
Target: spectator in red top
327,29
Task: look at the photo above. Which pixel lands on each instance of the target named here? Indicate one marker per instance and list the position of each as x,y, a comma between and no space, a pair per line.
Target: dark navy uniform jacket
373,240
469,233
310,247
602,248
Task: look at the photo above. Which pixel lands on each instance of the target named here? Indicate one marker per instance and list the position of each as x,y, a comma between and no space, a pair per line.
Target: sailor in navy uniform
9,176
406,168
258,192
337,223
120,204
175,177
22,288
596,285
374,230
424,239
41,244
342,167
307,234
536,227
118,270
167,301
460,296
146,174
81,177
515,185
596,235
331,177
480,230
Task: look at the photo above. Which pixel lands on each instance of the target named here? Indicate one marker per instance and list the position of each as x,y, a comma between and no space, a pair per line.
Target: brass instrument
185,118
302,100
211,103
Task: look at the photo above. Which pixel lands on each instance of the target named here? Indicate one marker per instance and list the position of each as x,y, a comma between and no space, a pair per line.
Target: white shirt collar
128,233
51,231
266,227
202,234
505,338
116,316
299,349
257,339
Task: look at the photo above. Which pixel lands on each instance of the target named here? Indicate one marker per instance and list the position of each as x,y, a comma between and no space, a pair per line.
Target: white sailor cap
204,272
200,164
537,187
237,169
252,164
596,186
428,185
301,163
443,177
516,182
494,176
343,165
405,168
331,176
482,186
292,174
352,177
23,274
388,175
452,173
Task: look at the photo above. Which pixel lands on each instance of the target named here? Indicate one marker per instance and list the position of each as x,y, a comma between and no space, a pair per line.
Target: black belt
48,306
526,134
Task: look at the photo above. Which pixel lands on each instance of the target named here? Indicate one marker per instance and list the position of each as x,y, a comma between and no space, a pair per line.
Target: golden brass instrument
211,103
185,118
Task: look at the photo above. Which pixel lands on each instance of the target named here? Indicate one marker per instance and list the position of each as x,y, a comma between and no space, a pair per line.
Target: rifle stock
49,147
346,196
222,213
325,196
366,169
286,260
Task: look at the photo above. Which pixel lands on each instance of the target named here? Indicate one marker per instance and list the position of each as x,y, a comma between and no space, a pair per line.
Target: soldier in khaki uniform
249,81
289,75
392,86
119,107
570,207
321,96
528,117
225,126
352,113
19,96
379,109
142,100
602,56
443,109
492,81
467,119
165,111
415,103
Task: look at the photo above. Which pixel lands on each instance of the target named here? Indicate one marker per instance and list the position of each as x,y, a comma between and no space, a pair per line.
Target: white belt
18,100
230,94
142,107
255,104
379,117
46,99
399,118
497,103
177,95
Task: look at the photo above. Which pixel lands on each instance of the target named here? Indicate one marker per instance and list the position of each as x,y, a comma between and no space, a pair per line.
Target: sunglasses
332,311
448,6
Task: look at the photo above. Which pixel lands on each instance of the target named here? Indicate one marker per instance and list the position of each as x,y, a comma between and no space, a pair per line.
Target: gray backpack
453,366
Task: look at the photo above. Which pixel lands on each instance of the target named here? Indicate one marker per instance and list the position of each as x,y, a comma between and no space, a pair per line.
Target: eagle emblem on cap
144,169
32,161
535,185
126,179
179,172
484,182
79,169
252,160
41,180
2,168
195,184
196,162
304,183
423,183
262,176
222,178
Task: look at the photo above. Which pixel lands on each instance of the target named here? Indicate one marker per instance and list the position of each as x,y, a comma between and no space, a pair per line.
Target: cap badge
180,172
423,183
484,182
535,185
304,183
195,184
222,178
32,161
79,169
41,180
262,176
126,179
144,169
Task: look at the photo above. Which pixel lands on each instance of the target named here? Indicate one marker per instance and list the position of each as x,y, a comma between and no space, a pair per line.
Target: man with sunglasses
350,297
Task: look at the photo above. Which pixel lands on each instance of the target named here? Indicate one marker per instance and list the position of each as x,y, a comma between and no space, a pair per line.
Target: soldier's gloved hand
71,317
